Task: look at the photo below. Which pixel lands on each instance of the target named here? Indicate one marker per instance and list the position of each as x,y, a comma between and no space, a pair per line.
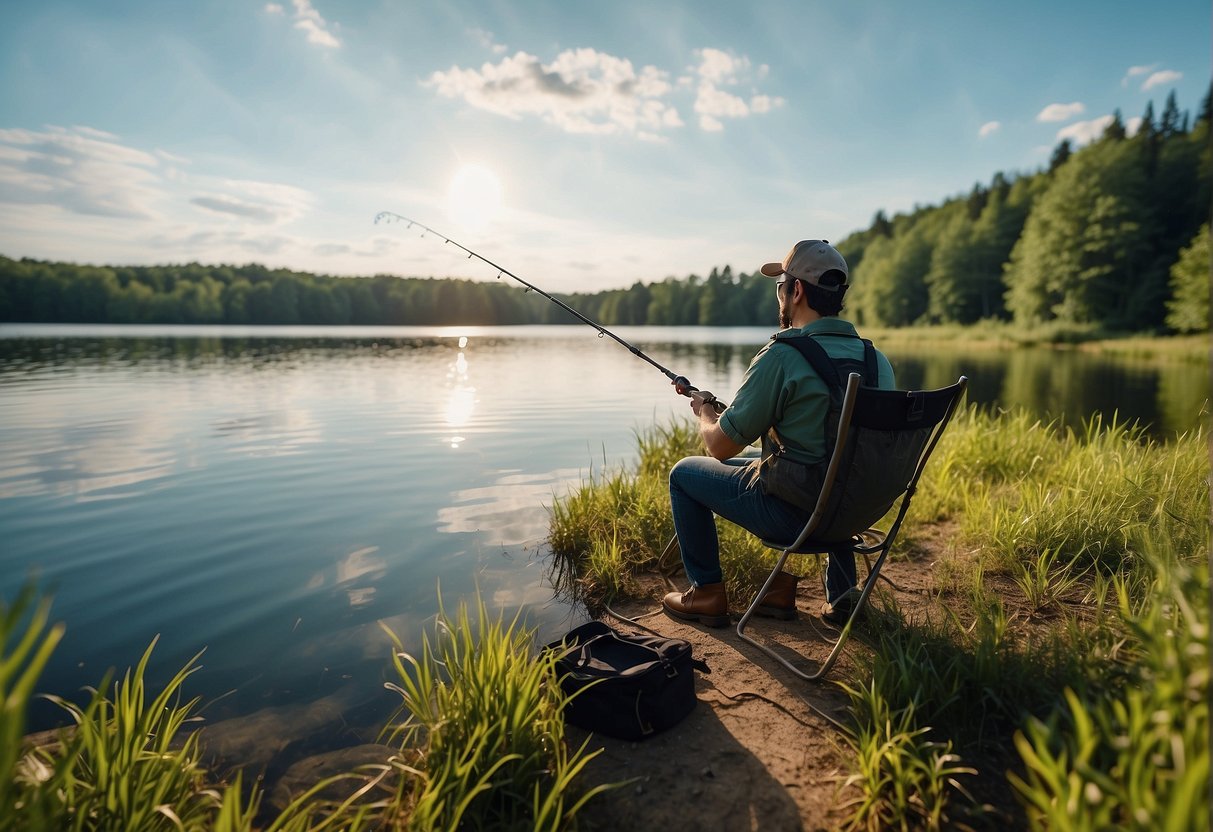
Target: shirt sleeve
887,380
754,407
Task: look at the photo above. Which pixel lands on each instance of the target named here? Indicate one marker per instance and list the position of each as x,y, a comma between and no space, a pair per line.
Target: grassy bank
1059,676
1002,334
479,745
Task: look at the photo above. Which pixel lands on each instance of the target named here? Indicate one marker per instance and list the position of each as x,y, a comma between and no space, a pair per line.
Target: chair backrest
883,442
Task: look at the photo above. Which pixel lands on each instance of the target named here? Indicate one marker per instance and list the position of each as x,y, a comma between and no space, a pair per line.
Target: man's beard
785,315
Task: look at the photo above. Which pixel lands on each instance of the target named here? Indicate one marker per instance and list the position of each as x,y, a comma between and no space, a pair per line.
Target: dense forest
1114,235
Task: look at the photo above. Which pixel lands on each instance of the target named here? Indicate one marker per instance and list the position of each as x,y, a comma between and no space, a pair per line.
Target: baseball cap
808,261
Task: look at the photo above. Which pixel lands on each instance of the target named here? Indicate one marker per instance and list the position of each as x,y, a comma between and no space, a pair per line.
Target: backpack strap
825,367
871,373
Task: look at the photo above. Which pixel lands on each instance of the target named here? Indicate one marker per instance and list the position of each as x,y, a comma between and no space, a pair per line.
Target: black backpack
799,483
625,686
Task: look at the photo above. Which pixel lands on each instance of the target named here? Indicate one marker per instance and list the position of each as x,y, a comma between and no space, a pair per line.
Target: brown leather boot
707,604
780,600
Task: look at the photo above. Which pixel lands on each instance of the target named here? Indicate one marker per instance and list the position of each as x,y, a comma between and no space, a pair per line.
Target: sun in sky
474,197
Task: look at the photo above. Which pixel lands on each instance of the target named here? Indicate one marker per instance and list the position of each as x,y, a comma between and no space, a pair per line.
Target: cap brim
772,269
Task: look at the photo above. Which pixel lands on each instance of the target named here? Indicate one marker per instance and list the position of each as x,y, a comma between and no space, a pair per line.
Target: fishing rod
681,384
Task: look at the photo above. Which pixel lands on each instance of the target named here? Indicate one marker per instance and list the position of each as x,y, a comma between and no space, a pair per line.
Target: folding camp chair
884,440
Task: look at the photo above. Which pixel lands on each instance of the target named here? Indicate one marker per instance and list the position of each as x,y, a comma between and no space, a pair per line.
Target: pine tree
1116,128
978,198
1149,139
1147,120
999,185
1061,153
1169,125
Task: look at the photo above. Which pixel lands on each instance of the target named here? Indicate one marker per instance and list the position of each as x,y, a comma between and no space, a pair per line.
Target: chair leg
762,591
670,561
836,650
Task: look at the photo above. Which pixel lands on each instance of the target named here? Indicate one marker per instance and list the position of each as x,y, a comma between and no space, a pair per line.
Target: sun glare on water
474,197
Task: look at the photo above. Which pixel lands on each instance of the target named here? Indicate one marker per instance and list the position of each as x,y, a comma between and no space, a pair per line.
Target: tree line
42,291
1114,235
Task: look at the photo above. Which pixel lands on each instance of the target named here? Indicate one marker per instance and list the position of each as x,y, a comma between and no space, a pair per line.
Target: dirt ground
759,752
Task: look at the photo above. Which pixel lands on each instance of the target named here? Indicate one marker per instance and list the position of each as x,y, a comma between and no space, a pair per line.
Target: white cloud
764,103
330,249
75,173
989,128
1082,132
1135,71
587,91
307,19
581,91
264,203
79,170
712,103
718,67
1157,79
485,38
1133,125
1060,112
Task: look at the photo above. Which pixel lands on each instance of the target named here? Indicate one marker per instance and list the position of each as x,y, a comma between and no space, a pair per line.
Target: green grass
487,719
992,334
615,526
483,747
1061,673
125,763
1020,488
1138,757
905,780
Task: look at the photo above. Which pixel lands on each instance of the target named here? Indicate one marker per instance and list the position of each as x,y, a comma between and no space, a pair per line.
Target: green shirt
781,390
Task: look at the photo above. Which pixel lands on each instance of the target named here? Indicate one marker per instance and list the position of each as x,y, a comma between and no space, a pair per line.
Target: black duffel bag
625,686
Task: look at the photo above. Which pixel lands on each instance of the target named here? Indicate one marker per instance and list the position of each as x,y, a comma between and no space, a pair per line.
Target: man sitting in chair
785,402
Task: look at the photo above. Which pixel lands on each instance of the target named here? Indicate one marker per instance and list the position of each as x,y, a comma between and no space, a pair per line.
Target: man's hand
708,409
702,398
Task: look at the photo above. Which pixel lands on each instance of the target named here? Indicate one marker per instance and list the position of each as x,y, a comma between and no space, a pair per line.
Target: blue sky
594,144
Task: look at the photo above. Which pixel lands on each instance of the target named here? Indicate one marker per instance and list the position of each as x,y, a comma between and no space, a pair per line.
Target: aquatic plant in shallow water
486,717
128,761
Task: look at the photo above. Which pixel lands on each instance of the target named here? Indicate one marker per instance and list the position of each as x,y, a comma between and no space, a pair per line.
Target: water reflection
278,498
1068,386
461,399
355,575
103,456
510,509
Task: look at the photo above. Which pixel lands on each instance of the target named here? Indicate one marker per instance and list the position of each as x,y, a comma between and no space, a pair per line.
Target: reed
486,717
496,755
26,644
126,762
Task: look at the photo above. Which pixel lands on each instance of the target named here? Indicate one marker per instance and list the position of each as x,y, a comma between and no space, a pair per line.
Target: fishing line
681,384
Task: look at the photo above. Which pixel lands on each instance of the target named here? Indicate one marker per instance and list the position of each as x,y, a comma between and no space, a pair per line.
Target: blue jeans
701,487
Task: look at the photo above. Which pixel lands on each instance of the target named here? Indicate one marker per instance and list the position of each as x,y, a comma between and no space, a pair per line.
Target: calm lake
276,495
